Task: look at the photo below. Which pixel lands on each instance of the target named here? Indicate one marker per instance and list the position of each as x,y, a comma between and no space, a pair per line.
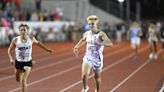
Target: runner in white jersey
93,51
93,58
152,39
23,50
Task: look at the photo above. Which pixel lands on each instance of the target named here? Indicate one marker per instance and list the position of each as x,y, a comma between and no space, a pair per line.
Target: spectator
34,16
38,4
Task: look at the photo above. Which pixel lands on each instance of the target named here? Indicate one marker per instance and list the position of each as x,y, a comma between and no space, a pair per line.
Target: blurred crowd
119,31
10,12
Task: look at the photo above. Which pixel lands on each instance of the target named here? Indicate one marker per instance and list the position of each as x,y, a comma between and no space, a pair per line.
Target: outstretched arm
12,45
79,44
41,45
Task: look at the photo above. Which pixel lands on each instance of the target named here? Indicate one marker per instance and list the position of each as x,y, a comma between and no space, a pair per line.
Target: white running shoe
151,55
85,90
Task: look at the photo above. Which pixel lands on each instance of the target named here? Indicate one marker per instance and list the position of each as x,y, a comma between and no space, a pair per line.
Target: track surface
61,71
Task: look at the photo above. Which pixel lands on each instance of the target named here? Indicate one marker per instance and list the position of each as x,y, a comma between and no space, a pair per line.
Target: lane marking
131,75
64,71
3,61
51,64
162,89
48,77
106,68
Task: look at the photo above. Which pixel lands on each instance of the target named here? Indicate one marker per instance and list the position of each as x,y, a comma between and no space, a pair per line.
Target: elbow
110,44
38,43
9,51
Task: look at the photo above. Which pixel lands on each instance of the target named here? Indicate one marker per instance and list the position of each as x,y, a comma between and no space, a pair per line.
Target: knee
23,80
97,76
17,79
85,76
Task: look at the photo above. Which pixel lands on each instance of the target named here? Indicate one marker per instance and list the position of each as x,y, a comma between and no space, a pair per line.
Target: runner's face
93,23
23,30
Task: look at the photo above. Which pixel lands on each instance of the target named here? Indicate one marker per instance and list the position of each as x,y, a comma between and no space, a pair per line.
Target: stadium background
58,23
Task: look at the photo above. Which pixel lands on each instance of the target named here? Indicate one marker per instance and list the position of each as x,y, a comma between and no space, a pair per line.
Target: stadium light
120,1
121,7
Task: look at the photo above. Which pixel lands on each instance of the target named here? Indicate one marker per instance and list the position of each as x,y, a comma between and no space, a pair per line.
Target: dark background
150,9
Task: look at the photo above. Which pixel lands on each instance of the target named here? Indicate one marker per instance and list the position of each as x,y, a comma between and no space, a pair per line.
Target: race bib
94,51
23,54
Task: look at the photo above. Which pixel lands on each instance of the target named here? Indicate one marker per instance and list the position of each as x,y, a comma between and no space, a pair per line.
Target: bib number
23,55
94,51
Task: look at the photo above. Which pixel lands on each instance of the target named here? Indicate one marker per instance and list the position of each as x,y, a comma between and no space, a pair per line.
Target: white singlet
152,36
94,52
23,50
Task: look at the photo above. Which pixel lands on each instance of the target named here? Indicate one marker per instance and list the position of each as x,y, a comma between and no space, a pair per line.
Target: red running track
61,71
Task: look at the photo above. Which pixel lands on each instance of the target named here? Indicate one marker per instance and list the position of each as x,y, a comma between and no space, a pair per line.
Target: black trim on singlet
96,32
99,58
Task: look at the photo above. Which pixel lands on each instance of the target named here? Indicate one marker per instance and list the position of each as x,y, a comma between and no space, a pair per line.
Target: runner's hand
50,51
12,61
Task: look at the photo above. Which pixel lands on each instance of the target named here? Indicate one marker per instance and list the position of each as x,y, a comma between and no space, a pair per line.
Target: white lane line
42,67
51,64
48,77
36,56
64,71
131,75
106,68
162,89
58,50
40,59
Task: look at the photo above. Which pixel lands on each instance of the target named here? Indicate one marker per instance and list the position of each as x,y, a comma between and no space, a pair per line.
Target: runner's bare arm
12,45
41,45
79,44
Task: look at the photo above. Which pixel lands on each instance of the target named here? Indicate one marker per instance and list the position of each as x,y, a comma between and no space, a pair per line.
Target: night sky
150,9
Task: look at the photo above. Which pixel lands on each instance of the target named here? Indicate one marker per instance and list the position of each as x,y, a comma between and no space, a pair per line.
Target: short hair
23,25
91,17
